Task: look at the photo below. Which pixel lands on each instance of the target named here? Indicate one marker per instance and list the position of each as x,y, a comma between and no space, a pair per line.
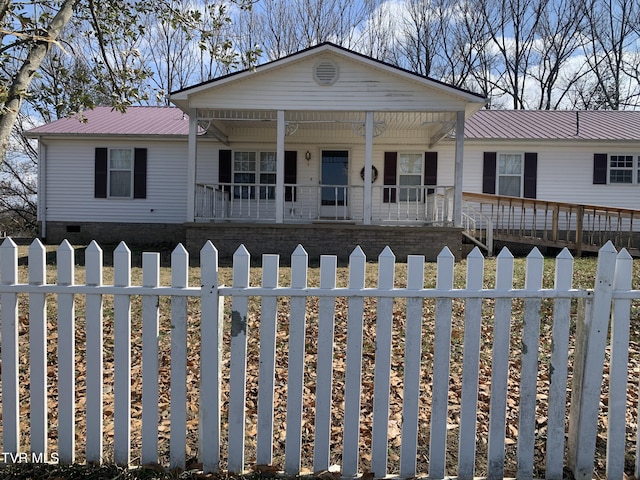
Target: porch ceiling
433,125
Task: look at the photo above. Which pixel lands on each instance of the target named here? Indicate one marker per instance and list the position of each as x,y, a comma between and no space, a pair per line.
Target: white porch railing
423,374
397,204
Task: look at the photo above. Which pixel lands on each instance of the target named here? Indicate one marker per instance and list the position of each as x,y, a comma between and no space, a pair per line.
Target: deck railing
580,227
397,391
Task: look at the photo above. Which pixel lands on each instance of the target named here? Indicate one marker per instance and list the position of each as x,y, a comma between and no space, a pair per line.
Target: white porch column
457,178
192,152
368,161
280,167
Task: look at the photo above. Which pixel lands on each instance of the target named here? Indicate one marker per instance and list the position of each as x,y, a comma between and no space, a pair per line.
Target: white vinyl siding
70,183
291,86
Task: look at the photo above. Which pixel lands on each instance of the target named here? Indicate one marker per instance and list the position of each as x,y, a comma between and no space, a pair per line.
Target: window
621,169
410,174
510,174
120,172
247,169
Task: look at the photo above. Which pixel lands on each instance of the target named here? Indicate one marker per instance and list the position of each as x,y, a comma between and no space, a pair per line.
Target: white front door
334,195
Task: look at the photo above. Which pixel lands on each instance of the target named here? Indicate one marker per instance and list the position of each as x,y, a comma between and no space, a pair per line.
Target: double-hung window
244,172
621,169
253,170
120,172
410,176
510,170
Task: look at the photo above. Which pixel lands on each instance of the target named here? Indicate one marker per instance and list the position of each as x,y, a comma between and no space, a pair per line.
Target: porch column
280,167
368,161
191,164
457,176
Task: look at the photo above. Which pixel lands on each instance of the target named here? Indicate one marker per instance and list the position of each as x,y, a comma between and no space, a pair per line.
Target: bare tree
560,31
512,26
611,51
419,41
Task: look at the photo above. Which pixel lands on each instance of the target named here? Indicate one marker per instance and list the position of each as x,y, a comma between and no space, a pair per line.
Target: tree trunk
24,76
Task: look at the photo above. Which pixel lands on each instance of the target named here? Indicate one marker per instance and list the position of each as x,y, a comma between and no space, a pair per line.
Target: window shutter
224,169
530,175
489,173
100,175
224,166
389,176
290,174
140,173
600,168
430,168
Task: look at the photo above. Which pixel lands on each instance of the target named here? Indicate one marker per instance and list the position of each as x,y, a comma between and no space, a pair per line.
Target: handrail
582,227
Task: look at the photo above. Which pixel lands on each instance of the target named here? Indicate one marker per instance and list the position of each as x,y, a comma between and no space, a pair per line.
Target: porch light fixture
307,155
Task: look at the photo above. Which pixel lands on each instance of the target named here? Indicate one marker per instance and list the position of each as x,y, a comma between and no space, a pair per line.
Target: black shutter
430,170
224,169
100,175
290,174
389,176
530,175
489,173
600,161
224,166
140,173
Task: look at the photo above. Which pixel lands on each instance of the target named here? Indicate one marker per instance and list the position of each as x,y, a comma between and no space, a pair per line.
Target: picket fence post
295,373
150,333
122,357
238,361
38,349
9,318
66,356
470,368
353,366
559,368
210,360
178,394
95,368
591,337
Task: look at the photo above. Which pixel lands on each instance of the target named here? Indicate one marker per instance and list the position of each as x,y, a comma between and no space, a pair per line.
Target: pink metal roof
106,121
554,125
484,124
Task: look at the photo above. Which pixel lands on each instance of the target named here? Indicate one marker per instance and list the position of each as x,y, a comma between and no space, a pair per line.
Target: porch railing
398,204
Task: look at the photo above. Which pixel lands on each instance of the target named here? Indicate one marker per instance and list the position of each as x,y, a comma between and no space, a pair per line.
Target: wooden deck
579,227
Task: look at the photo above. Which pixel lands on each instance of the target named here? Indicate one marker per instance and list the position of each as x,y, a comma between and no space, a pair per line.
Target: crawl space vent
325,73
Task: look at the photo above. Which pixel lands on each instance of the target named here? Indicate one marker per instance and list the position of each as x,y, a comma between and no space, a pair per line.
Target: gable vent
325,73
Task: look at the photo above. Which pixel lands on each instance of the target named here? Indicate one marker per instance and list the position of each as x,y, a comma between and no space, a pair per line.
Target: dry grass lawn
584,274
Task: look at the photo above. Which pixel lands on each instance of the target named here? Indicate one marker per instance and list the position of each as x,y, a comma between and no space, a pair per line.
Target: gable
344,82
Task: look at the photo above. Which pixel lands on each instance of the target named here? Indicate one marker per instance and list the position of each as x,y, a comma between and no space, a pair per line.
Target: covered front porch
368,168
326,134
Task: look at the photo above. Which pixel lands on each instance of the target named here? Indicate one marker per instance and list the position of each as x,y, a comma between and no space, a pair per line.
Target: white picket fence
610,300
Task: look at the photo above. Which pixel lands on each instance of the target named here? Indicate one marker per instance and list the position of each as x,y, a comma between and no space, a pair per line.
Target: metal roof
554,125
107,121
485,124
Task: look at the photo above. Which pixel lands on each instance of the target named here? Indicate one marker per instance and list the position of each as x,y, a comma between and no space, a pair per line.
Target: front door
334,197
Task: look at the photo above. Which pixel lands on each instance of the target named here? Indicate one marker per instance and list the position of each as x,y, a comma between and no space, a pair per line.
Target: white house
325,148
